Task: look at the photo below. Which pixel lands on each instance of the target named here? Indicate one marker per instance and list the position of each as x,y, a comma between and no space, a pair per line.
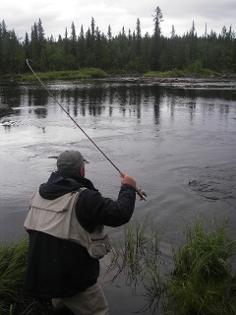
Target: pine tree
156,40
138,29
109,33
158,18
173,35
73,41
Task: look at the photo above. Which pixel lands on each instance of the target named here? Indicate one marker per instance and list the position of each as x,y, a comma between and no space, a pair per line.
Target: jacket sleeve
92,209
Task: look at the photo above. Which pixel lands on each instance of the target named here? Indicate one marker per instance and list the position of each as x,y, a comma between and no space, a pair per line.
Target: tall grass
13,262
12,268
139,260
201,280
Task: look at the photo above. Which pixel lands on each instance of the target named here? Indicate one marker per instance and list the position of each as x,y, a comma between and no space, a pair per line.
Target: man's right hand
126,179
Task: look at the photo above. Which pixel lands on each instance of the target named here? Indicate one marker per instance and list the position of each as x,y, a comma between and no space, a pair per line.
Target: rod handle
141,194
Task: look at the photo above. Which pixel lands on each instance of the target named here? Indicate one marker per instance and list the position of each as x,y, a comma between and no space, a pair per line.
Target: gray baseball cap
70,162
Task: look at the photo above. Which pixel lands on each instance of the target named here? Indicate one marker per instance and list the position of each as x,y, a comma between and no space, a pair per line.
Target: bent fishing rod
140,192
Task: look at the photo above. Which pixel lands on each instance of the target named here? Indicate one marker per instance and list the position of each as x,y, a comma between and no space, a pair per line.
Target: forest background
126,52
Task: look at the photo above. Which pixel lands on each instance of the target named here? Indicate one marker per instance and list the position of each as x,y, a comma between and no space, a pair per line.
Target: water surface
179,144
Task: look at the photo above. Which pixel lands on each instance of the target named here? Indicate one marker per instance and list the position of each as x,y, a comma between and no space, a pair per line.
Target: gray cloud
57,14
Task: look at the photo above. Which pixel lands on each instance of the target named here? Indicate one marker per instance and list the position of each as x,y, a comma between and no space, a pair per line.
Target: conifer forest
126,52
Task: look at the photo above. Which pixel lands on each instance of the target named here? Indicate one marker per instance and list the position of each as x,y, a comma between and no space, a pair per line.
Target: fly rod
140,192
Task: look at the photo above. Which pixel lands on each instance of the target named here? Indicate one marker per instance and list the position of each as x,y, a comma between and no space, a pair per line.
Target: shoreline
204,83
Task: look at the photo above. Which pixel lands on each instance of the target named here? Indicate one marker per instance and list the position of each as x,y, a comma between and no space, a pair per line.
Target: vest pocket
99,247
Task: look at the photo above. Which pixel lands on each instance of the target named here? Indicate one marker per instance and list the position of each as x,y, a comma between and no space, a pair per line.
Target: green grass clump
13,264
84,73
175,73
202,281
12,268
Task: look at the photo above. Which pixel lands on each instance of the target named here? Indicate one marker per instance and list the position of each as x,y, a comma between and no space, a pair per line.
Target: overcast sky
56,15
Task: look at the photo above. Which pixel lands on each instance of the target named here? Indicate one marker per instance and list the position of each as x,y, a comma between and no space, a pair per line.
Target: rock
5,109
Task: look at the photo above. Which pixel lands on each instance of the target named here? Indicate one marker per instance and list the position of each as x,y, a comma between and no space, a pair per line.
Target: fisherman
65,224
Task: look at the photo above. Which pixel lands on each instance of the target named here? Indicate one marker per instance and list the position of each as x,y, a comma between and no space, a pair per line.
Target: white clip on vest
58,218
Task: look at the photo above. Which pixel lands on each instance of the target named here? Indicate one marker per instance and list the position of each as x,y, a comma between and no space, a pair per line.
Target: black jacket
60,268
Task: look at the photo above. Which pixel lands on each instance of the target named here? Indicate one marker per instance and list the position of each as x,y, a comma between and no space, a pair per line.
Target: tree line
126,52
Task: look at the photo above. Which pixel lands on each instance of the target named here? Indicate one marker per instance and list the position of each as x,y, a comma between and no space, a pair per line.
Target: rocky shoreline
227,82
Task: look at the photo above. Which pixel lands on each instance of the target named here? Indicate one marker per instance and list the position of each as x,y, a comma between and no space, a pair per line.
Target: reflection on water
101,99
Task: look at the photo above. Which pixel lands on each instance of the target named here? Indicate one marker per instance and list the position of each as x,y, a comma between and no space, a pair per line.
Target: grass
165,74
13,262
12,267
193,70
84,73
201,281
138,259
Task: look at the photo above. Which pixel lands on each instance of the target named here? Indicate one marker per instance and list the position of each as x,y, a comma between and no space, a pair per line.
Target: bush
196,69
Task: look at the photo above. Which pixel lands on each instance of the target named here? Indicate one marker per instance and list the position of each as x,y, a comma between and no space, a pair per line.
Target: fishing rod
140,192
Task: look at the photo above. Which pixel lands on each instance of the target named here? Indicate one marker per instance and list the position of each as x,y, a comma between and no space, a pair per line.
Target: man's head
70,163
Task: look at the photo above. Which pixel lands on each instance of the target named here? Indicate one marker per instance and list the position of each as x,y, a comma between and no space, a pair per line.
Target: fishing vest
57,217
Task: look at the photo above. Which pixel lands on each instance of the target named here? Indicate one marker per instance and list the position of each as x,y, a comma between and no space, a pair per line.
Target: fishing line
141,193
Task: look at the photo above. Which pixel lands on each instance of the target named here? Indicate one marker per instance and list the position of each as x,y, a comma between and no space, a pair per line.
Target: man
66,238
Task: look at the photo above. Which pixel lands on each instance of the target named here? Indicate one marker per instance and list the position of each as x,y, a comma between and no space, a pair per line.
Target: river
178,142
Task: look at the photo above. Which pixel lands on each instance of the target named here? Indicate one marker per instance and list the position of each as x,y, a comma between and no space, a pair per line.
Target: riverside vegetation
197,280
193,70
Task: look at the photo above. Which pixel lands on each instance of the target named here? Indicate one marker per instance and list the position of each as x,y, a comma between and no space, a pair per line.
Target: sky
56,15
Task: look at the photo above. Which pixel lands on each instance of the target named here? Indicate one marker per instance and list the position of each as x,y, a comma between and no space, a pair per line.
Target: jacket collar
58,185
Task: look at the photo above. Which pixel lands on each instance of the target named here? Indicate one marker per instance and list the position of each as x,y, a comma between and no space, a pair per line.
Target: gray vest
58,218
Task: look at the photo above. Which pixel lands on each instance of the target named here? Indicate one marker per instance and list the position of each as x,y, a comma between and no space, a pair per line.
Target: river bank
223,82
189,75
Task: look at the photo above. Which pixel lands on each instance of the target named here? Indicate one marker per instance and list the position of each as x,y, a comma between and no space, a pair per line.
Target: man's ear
82,171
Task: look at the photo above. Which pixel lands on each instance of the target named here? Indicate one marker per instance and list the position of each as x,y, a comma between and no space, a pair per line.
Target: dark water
180,145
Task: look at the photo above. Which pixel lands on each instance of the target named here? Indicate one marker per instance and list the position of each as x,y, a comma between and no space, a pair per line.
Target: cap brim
55,157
